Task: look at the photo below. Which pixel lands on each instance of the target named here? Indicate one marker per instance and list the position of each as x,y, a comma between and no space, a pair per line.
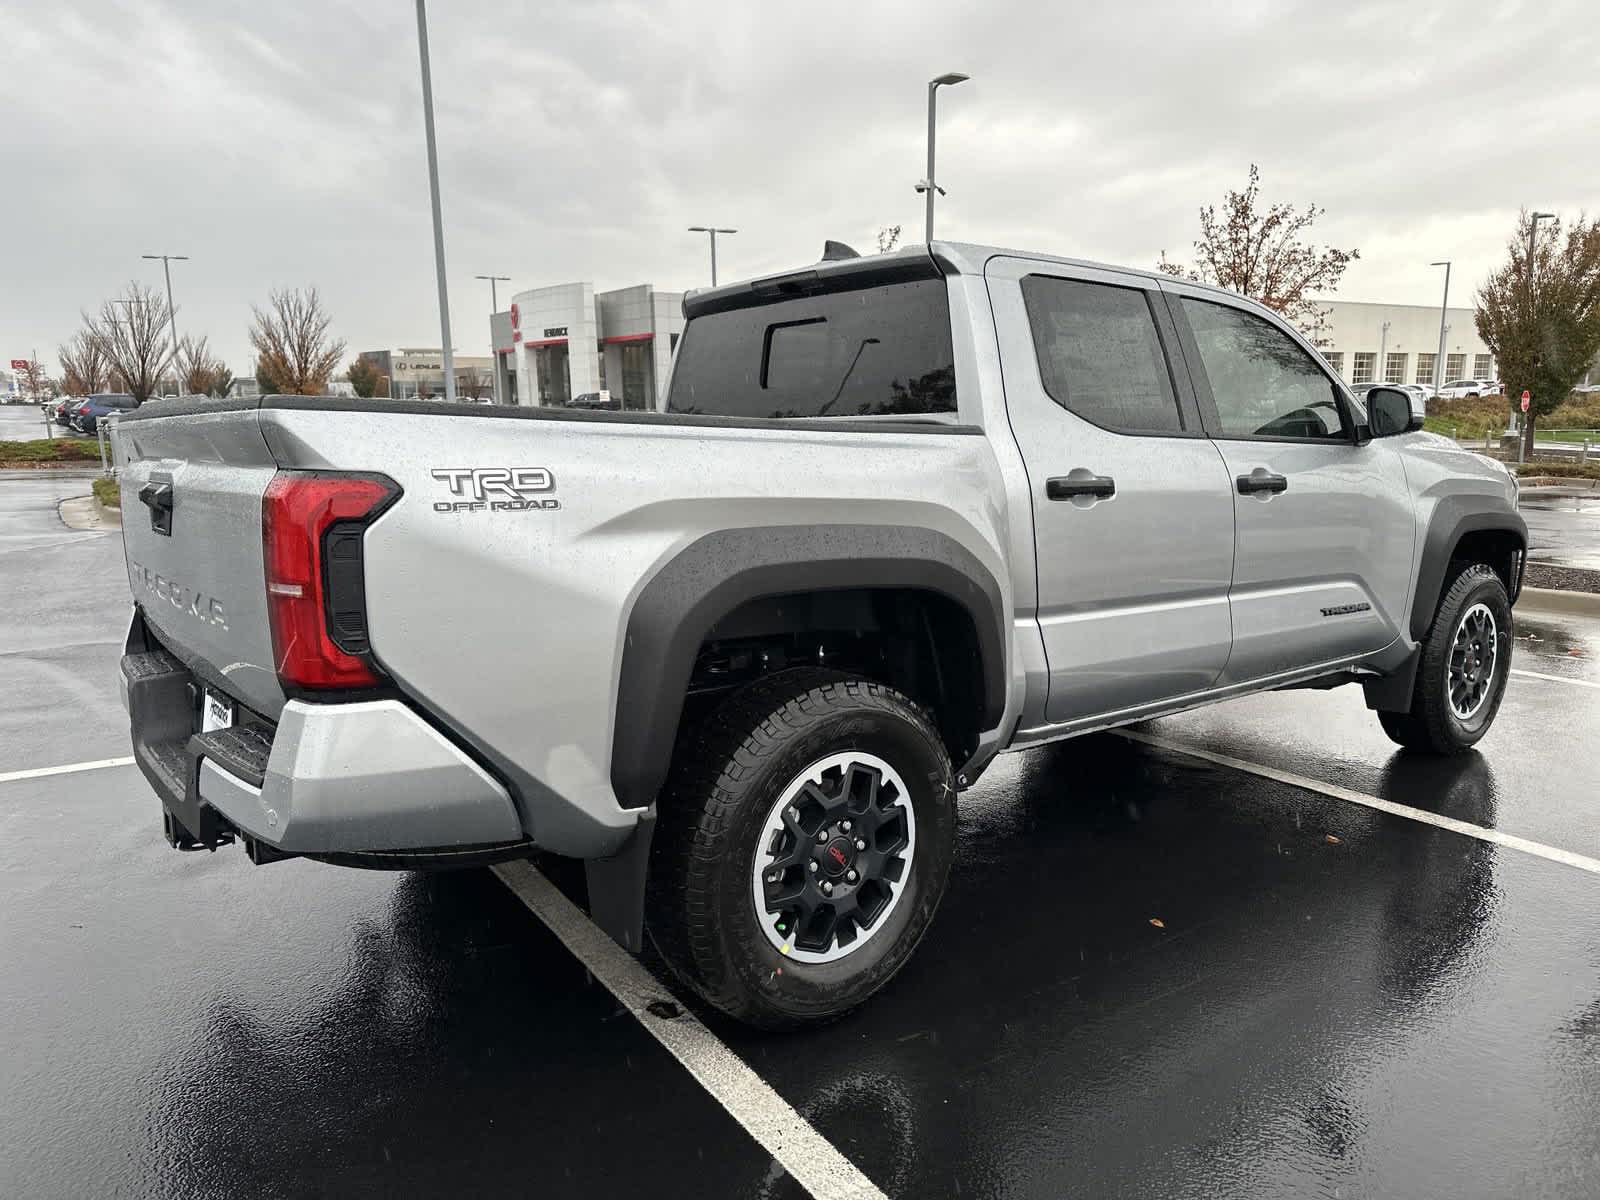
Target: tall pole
438,220
1444,305
930,184
713,231
494,307
933,137
172,313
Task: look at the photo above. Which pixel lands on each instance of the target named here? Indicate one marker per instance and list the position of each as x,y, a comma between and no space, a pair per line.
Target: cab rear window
867,352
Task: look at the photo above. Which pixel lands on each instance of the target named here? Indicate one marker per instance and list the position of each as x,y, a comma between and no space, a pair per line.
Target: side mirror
1389,412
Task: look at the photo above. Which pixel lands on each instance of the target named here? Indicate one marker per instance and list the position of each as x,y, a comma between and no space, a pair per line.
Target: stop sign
1525,398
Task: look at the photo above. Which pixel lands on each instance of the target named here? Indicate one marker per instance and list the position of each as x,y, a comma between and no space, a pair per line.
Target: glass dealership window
1366,367
1425,368
1335,360
1455,367
1394,368
1482,366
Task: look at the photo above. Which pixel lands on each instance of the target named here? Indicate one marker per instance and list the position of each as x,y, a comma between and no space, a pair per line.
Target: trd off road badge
496,489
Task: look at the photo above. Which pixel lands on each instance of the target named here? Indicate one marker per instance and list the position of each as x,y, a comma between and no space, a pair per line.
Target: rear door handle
1065,487
1261,481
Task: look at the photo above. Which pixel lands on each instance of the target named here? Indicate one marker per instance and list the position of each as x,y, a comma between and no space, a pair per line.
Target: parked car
1465,389
87,416
60,410
903,513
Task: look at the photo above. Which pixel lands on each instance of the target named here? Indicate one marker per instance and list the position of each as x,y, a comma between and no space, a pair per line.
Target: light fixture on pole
433,192
713,232
494,307
172,313
929,186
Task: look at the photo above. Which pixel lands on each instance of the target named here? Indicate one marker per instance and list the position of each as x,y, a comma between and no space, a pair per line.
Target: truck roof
953,258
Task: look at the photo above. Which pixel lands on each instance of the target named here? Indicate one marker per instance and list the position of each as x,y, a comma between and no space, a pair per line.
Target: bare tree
1262,255
199,371
132,333
1544,325
293,348
84,369
473,383
888,238
34,378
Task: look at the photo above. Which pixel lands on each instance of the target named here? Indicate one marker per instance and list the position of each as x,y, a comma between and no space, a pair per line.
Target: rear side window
1099,355
878,351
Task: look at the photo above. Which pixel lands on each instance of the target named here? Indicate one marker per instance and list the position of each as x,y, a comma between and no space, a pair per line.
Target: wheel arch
725,571
1467,527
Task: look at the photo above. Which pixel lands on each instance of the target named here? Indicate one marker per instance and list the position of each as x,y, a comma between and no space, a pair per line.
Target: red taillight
297,512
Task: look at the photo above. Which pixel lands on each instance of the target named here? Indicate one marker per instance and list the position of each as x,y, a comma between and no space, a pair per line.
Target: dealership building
566,343
1399,343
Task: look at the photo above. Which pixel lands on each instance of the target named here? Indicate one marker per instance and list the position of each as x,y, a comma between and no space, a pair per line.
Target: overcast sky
279,143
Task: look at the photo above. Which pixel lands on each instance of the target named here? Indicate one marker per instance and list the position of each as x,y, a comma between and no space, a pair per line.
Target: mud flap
616,886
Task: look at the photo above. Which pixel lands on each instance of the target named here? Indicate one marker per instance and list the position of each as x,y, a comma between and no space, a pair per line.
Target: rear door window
1099,354
869,352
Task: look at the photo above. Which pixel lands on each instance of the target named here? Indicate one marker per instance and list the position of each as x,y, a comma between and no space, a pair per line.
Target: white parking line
1588,683
1484,834
98,764
814,1162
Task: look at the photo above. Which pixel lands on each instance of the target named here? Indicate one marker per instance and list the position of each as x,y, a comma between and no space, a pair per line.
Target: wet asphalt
1336,1002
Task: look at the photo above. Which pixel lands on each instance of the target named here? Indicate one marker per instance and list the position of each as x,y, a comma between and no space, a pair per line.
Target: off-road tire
1431,724
727,775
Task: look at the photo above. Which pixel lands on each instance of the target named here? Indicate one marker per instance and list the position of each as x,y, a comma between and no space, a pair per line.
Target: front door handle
1065,487
1261,481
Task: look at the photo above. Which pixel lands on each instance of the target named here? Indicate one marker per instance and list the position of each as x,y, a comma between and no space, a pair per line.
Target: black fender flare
717,573
1453,518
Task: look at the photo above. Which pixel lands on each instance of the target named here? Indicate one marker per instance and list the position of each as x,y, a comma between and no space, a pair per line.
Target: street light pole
433,192
172,313
929,186
713,232
1444,304
494,307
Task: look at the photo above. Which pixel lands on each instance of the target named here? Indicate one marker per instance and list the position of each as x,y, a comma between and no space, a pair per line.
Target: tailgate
192,485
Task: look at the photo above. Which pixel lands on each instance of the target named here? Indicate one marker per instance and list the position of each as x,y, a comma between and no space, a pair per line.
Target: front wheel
804,843
1466,659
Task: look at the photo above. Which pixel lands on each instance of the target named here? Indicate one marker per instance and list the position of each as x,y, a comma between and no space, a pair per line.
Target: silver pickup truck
899,514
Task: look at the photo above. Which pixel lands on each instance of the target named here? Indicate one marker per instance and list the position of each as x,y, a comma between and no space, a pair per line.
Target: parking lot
1299,963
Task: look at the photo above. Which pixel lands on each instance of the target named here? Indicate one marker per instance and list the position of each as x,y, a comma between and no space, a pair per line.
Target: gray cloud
281,143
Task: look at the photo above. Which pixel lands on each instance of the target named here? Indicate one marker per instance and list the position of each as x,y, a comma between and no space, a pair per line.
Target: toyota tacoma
740,656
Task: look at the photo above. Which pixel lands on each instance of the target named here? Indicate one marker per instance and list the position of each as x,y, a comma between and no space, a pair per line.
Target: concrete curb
1553,600
108,514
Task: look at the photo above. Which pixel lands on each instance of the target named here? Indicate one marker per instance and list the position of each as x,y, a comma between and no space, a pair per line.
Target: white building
1398,343
567,342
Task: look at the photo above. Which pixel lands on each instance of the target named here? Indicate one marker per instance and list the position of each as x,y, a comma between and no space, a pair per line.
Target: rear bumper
365,777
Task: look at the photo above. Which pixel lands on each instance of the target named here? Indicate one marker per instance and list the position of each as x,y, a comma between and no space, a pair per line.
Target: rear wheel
803,846
1466,659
